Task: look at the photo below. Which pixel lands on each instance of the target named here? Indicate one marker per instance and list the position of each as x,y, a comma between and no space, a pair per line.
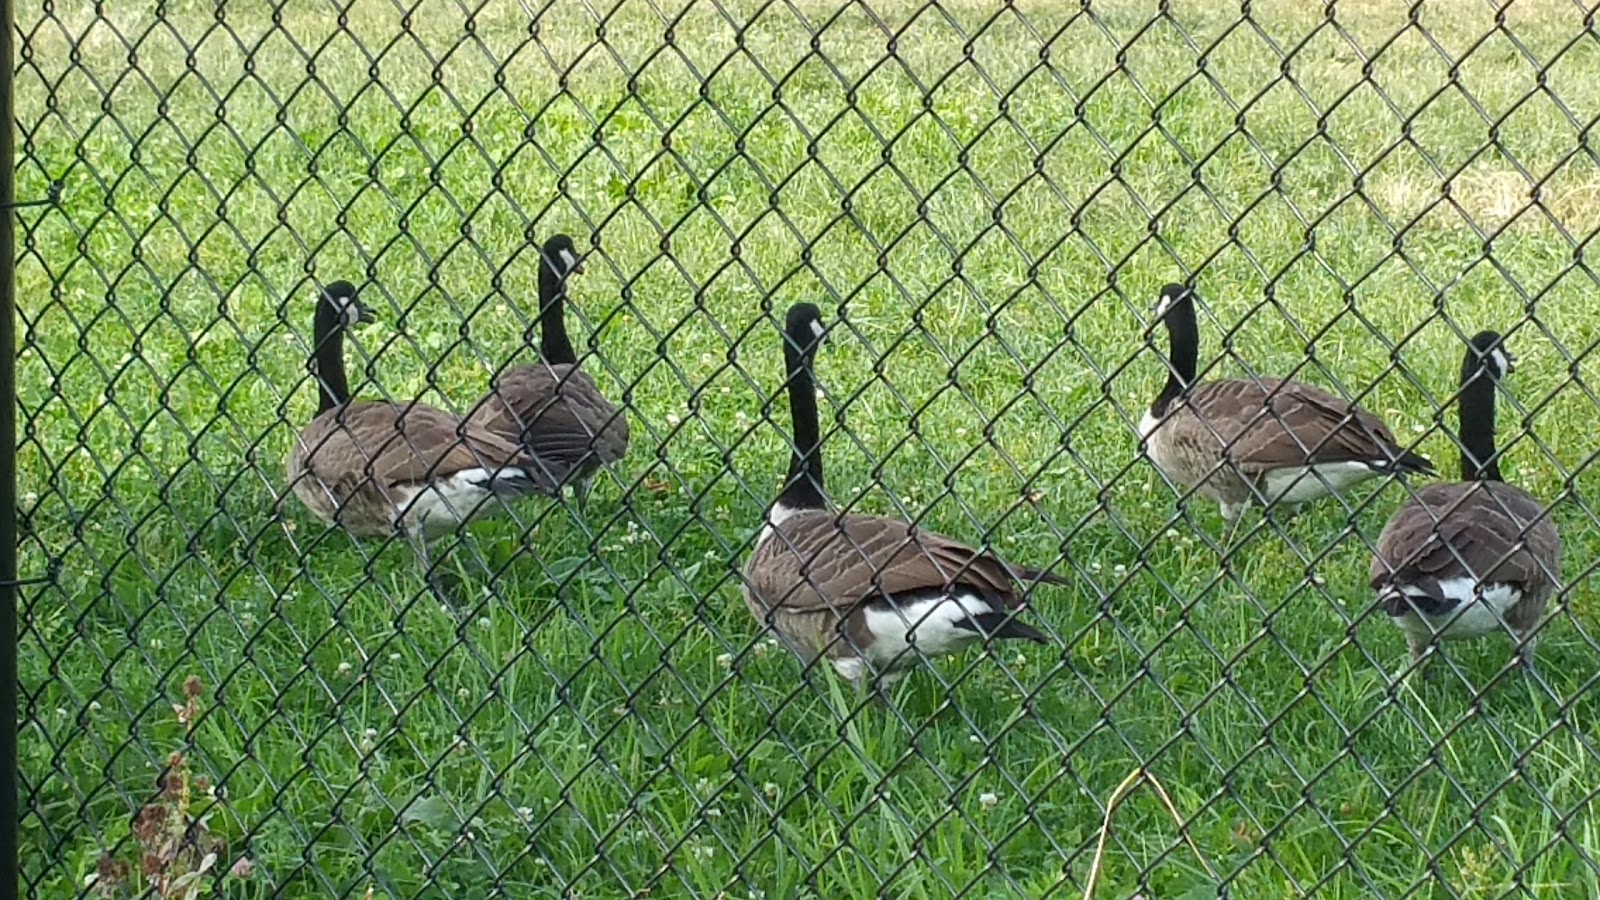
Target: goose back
1451,544
558,413
375,468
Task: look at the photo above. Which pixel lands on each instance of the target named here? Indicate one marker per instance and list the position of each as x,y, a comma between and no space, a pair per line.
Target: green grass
601,720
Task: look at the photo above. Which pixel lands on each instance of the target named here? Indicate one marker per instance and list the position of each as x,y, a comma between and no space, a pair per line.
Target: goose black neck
328,332
1478,459
556,346
1183,335
803,488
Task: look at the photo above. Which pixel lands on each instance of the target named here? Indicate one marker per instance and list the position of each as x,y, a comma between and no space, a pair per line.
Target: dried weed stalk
178,855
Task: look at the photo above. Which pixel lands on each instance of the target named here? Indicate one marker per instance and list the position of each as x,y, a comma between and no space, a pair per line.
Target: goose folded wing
419,444
1270,424
818,562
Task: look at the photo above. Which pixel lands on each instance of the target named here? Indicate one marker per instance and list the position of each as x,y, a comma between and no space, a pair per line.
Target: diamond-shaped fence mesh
219,692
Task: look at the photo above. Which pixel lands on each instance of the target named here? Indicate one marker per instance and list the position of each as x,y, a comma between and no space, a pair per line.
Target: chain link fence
220,694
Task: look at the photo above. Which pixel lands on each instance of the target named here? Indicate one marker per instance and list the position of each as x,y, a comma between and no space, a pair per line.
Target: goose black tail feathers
514,483
998,625
1023,573
1412,464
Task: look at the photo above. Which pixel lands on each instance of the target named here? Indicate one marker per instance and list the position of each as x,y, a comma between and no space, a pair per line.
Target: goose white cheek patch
568,260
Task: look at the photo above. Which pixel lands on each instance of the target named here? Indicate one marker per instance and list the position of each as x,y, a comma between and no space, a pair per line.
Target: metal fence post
9,782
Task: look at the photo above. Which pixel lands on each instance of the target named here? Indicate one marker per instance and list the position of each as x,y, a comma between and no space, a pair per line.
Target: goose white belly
443,505
1298,484
925,628
1469,618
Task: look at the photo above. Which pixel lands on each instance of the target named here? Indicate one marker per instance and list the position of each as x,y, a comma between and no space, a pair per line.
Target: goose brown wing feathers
403,445
1270,424
818,561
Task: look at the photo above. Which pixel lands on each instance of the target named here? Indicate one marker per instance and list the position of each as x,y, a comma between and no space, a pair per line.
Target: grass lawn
989,201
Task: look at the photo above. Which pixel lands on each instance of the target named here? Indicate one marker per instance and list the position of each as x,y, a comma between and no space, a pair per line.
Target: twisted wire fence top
984,200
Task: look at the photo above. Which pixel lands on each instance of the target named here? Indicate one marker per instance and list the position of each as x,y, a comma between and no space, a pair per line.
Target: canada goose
552,407
870,594
1266,440
1477,556
376,468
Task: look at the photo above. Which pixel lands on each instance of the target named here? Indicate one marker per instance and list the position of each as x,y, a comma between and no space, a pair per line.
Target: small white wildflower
974,739
1021,660
702,785
30,498
726,389
345,668
770,789
1094,566
989,799
674,420
714,813
961,432
1419,428
463,694
701,851
394,657
1318,580
1119,569
483,622
725,660
524,813
1172,533
61,713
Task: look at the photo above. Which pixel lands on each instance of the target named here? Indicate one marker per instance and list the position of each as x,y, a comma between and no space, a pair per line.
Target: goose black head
562,255
1491,355
804,329
343,299
1171,297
